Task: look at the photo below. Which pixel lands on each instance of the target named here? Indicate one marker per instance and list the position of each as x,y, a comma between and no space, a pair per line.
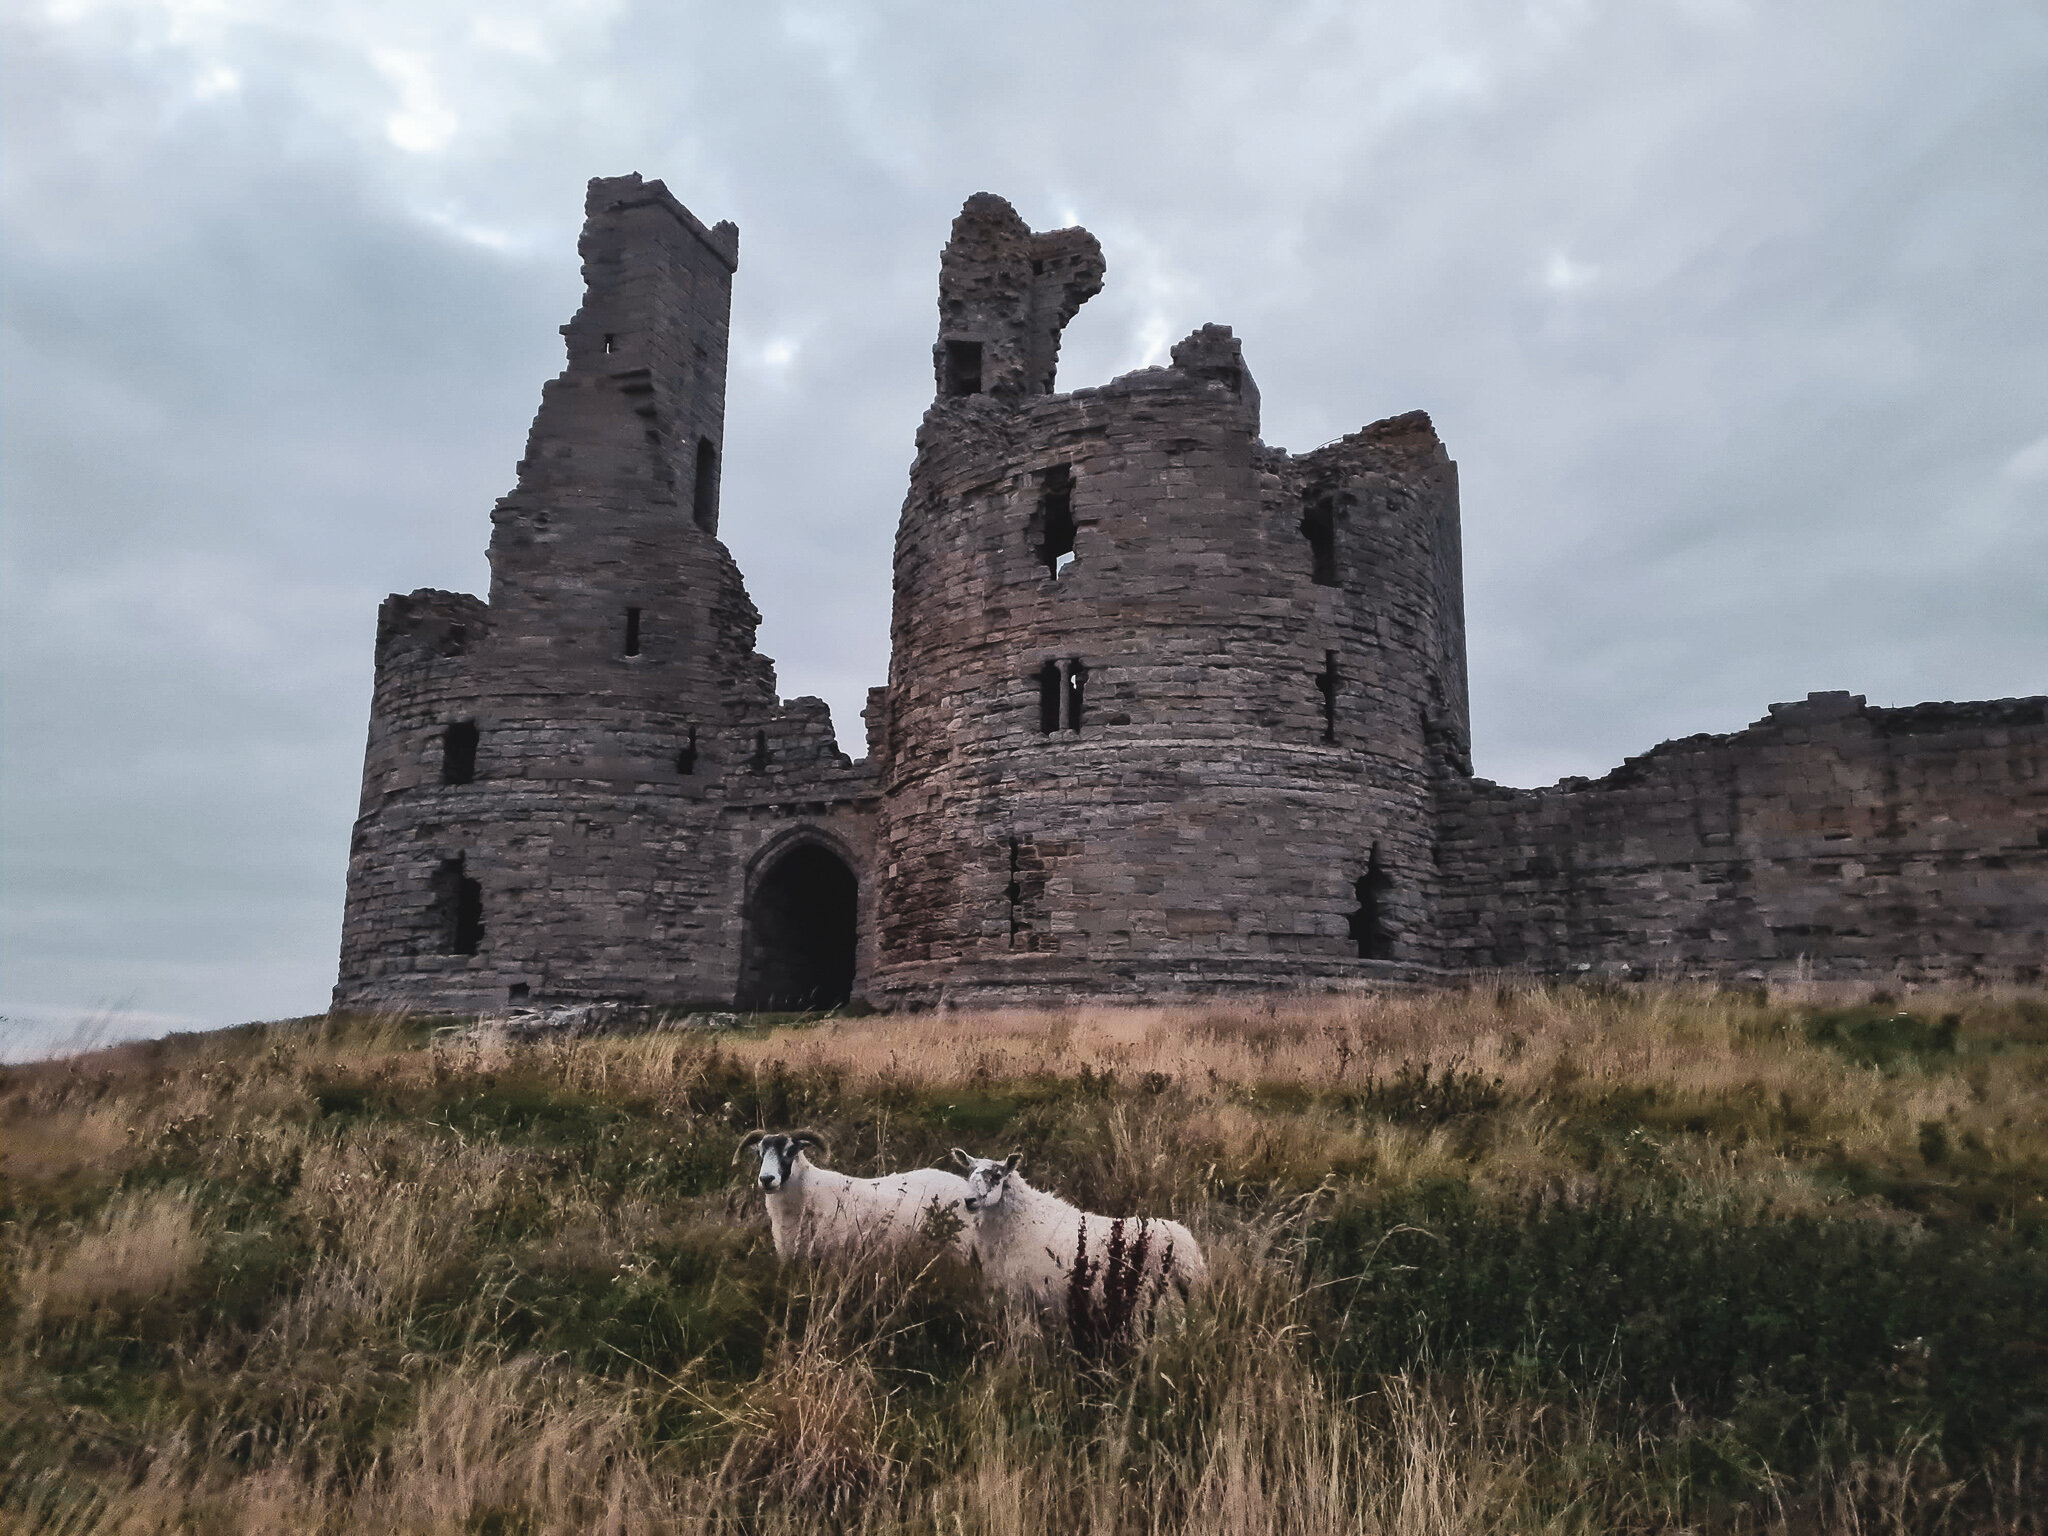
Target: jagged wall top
1005,295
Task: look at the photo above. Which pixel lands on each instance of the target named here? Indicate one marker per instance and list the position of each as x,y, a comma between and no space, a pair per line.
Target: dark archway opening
1369,927
799,936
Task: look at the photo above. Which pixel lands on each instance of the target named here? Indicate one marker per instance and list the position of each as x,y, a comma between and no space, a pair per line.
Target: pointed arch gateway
799,928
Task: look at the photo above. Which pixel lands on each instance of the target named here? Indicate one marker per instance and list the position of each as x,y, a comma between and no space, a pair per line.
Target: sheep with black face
1025,1239
813,1210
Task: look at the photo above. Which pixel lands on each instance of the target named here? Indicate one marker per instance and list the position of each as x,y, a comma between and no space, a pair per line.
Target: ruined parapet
1145,733
1212,354
1005,295
1827,840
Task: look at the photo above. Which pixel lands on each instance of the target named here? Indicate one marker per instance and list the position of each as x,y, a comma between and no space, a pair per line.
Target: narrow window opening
1326,682
458,908
1077,684
1037,268
1369,928
758,763
456,640
686,760
1013,893
704,499
963,368
458,752
609,345
1050,686
1319,527
518,992
632,631
1056,520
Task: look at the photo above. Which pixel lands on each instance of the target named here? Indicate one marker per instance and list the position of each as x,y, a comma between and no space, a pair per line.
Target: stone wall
1828,839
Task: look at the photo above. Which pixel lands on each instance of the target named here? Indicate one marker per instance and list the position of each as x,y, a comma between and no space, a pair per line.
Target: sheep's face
987,1180
778,1156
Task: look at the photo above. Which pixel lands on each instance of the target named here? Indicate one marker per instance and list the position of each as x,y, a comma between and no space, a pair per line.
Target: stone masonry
1169,710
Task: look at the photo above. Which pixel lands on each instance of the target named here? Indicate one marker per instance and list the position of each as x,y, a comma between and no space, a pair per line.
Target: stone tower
1163,700
569,790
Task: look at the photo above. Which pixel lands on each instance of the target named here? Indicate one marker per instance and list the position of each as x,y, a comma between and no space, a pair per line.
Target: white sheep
1025,1239
814,1210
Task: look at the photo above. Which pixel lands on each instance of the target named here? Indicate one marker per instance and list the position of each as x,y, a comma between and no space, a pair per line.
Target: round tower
1163,700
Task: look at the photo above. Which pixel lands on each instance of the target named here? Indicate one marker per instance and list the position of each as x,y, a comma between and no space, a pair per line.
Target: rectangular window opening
610,346
686,760
758,763
1077,686
458,752
704,497
632,631
1326,682
458,907
518,992
1013,893
1319,527
1051,689
963,368
1056,520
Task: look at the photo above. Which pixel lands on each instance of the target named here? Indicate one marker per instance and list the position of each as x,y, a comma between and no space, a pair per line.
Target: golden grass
348,1403
142,1246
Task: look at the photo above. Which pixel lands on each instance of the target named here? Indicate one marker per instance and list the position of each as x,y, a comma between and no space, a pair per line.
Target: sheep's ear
798,1140
1010,1162
746,1142
964,1160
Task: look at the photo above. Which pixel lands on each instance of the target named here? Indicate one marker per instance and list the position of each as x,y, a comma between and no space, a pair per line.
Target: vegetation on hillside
1525,1257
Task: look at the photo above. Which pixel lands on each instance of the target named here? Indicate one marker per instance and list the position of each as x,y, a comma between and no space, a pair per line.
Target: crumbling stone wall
1829,838
1168,710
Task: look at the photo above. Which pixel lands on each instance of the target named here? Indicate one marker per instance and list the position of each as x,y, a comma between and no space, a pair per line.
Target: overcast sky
1733,315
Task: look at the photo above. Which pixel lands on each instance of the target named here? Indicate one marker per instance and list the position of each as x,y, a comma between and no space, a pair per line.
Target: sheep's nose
767,1181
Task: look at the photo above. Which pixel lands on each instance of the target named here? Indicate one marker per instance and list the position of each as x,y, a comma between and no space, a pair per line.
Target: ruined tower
569,790
1162,699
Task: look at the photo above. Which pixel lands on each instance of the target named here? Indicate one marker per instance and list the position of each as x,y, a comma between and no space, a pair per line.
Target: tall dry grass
142,1247
430,1349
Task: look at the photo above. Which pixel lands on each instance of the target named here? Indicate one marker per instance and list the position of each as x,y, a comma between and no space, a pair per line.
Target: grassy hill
1514,1258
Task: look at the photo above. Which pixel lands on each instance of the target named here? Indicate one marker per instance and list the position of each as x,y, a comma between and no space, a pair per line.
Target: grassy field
1517,1258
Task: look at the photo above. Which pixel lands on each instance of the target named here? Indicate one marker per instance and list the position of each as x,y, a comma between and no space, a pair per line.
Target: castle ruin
1168,711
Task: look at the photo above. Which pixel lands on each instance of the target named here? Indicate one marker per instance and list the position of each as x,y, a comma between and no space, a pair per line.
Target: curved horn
798,1140
746,1141
965,1160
